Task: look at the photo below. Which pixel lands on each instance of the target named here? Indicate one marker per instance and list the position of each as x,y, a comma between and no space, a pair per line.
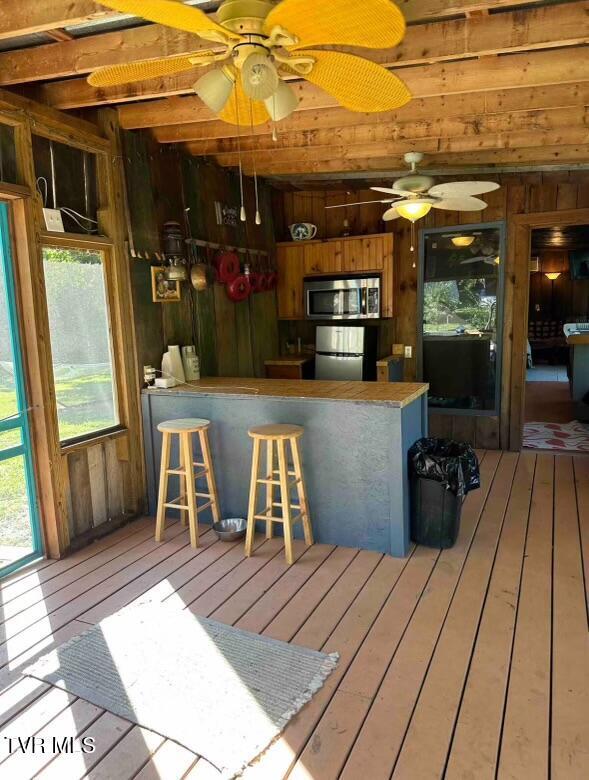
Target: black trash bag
452,463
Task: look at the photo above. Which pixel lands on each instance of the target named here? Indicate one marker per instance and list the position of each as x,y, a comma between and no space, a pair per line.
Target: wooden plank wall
523,193
98,489
232,339
561,299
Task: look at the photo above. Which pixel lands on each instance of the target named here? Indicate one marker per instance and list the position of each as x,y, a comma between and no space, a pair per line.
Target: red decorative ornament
239,288
227,267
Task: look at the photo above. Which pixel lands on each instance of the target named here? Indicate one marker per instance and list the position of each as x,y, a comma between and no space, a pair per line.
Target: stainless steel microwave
351,298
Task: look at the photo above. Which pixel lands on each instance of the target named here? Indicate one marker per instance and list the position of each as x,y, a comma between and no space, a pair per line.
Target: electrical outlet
53,220
408,352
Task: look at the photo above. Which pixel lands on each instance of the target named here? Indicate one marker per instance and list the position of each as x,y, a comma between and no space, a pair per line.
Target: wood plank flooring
471,662
549,402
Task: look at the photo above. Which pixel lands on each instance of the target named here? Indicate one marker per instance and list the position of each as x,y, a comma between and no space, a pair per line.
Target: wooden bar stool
276,437
186,502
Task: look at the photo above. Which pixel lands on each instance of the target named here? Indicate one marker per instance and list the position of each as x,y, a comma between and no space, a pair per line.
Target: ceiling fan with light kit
265,43
262,46
416,194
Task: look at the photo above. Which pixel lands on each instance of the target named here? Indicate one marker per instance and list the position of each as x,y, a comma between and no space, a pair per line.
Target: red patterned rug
572,437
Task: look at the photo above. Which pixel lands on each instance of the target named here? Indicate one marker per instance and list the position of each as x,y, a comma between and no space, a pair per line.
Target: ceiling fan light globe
259,76
282,103
413,209
215,88
462,241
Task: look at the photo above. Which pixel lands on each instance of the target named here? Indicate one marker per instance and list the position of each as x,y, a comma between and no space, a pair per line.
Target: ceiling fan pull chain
258,216
274,133
242,214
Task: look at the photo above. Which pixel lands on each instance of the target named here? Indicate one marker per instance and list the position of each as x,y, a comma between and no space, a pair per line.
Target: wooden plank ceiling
497,83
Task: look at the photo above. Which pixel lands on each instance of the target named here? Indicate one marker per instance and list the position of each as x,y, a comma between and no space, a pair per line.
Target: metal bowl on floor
230,528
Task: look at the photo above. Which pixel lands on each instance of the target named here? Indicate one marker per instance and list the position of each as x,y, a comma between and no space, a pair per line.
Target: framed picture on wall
162,290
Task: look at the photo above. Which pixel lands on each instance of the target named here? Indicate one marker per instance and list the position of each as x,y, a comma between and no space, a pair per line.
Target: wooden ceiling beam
536,155
83,55
169,115
360,152
437,127
456,39
421,10
544,27
23,17
32,16
530,69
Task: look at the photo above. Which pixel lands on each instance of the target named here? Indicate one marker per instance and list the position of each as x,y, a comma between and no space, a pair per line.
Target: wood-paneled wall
561,300
525,193
99,490
232,339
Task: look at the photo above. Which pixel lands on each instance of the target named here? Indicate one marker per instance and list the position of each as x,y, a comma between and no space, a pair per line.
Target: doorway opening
557,363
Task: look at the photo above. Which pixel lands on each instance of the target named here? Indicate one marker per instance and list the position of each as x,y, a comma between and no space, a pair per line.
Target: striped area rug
222,692
568,437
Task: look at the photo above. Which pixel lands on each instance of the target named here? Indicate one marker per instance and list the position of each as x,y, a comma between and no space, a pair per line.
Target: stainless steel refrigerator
345,352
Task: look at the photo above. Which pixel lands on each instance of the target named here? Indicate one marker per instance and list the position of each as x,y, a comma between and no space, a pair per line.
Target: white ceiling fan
416,194
488,259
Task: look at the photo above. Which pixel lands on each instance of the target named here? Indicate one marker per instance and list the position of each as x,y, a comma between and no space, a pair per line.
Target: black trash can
441,473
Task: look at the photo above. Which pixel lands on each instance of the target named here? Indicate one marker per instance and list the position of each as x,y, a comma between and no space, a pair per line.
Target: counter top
397,394
576,333
289,360
578,338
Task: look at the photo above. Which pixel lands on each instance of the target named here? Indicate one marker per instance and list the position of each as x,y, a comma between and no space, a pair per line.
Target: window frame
103,245
465,228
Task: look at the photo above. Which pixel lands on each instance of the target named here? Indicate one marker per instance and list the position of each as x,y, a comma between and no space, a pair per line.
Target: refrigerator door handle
340,355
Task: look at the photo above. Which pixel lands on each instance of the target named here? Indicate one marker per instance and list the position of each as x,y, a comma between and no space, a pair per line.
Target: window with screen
461,302
81,345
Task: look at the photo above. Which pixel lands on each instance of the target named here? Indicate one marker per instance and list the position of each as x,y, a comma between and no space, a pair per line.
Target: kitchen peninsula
355,445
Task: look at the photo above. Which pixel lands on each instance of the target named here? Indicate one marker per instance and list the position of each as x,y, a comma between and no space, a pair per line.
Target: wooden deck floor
467,663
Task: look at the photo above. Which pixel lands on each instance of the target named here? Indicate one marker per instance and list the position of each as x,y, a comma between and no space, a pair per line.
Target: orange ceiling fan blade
241,110
174,14
375,24
356,83
111,75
